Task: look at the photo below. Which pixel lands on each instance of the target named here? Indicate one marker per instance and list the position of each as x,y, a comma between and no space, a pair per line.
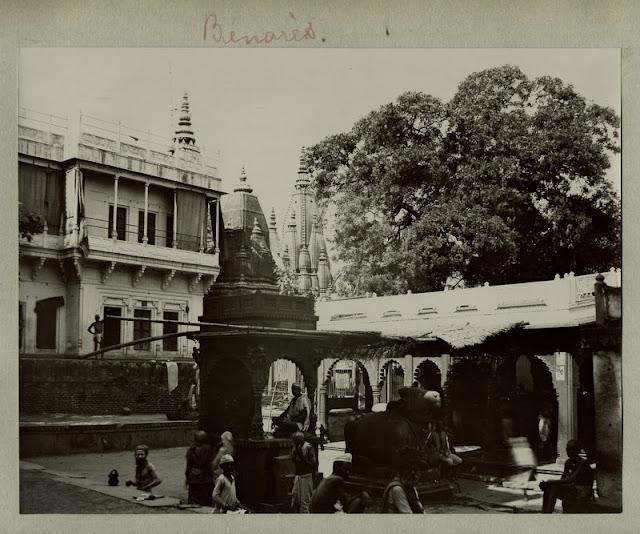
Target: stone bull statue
375,440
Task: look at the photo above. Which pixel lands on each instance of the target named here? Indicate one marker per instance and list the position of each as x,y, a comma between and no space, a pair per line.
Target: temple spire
183,137
274,240
243,185
303,180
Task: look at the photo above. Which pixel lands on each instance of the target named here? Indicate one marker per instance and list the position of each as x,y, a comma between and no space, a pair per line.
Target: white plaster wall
47,284
85,298
118,291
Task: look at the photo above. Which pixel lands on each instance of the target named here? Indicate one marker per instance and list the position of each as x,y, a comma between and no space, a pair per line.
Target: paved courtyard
78,484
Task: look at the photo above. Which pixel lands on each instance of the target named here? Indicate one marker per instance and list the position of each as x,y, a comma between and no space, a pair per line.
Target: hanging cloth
172,375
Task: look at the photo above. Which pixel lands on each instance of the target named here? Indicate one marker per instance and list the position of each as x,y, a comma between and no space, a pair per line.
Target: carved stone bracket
37,267
128,303
210,280
194,281
63,273
139,273
78,267
168,276
108,269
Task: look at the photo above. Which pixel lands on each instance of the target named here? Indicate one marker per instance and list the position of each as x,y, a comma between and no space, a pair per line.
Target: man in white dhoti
304,461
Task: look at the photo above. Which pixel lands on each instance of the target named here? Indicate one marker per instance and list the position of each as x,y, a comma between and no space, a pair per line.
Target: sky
257,107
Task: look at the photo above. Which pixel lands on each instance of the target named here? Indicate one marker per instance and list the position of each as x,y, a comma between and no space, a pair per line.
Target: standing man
96,329
304,461
199,472
146,476
330,496
296,416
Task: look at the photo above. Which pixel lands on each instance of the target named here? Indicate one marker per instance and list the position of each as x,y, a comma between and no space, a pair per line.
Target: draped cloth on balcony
191,219
41,192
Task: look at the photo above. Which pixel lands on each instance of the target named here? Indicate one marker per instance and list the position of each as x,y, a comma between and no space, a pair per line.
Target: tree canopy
504,183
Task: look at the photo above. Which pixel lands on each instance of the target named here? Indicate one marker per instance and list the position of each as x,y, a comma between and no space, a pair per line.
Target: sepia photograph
320,281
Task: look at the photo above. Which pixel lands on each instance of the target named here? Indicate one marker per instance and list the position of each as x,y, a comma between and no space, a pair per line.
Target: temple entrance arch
348,386
467,392
428,376
391,381
529,403
283,373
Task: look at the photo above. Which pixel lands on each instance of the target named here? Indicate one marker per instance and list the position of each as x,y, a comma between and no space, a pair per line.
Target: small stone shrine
234,363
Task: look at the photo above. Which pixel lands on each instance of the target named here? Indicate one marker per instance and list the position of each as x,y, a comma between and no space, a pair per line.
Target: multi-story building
130,230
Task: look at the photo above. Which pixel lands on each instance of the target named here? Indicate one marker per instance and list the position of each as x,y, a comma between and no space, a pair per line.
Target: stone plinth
259,469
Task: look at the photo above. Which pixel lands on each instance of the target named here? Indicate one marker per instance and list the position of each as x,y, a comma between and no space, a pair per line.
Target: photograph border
402,24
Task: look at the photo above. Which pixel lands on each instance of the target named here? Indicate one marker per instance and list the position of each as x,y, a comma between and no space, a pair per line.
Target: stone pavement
48,495
89,472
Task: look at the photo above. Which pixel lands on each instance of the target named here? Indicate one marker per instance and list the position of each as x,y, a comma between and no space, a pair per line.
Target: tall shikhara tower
302,249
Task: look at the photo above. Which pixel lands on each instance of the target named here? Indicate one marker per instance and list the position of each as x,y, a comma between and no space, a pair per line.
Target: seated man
146,476
400,495
575,488
330,496
296,417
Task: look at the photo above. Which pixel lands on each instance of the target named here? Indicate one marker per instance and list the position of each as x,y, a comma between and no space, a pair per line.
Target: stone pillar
114,231
563,382
145,238
175,219
218,225
375,392
259,365
202,237
409,370
607,385
322,405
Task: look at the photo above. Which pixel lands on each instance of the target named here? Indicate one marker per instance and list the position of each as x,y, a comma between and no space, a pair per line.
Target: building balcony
109,250
71,253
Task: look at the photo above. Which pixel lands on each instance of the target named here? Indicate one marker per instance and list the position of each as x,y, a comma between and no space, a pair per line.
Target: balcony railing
158,250
120,146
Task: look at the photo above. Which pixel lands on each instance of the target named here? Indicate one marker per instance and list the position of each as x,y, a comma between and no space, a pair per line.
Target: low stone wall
100,387
51,440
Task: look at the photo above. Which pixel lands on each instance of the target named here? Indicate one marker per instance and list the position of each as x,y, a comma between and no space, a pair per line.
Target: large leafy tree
505,183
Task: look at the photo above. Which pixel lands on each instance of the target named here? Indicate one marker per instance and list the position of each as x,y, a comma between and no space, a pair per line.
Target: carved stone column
259,363
375,393
322,405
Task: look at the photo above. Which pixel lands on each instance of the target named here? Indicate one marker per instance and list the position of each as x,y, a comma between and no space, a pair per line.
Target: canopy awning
466,334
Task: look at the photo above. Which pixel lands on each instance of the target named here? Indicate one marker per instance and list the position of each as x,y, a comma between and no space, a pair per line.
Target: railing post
145,238
175,219
114,222
217,249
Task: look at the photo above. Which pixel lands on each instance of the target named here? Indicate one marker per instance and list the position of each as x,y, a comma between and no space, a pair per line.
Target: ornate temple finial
303,166
303,176
272,218
243,185
184,138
